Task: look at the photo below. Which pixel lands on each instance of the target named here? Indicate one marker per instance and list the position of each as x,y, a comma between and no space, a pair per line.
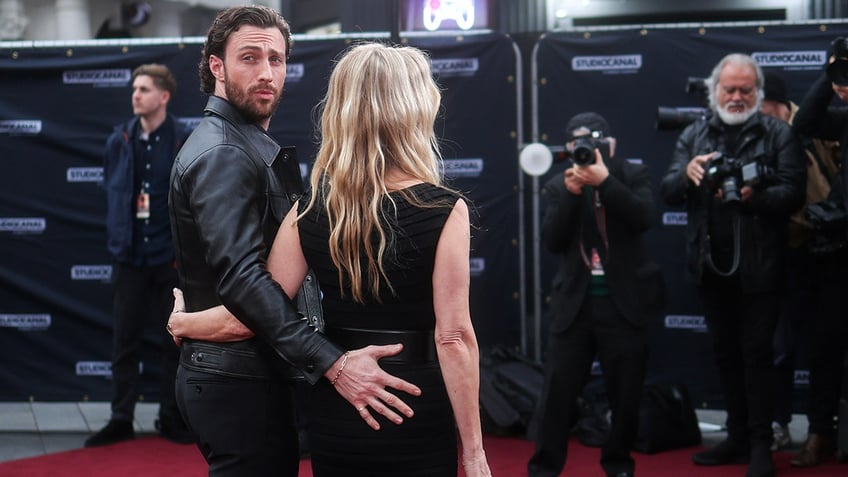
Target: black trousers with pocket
243,426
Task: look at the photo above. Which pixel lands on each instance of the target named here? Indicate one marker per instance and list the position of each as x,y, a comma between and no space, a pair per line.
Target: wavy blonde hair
377,116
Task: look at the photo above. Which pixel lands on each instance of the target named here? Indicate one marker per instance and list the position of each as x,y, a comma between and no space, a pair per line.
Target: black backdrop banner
625,74
58,104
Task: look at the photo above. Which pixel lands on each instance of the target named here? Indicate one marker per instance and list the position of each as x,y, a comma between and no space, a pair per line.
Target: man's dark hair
229,21
160,74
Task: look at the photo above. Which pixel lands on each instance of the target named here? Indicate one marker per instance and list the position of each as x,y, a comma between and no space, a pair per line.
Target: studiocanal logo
615,63
105,77
23,225
477,266
471,167
455,67
686,322
85,174
26,321
91,272
20,127
675,218
790,59
94,368
295,72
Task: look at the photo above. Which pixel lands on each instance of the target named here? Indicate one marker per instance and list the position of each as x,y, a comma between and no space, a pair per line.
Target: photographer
604,294
829,258
741,175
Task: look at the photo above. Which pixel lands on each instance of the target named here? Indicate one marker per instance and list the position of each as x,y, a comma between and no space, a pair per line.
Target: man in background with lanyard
136,172
605,293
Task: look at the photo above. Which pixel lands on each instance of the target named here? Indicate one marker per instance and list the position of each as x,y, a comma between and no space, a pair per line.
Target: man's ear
216,66
612,146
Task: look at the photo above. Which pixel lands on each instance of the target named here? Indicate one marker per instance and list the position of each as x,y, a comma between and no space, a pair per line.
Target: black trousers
143,299
243,427
795,302
828,340
741,327
599,329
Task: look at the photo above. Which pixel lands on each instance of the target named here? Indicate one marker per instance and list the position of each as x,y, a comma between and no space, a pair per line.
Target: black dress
341,443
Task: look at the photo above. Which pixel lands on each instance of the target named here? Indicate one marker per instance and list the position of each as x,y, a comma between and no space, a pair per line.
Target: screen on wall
440,15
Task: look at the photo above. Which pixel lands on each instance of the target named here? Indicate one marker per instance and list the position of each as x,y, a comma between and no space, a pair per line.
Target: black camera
583,152
729,175
838,70
678,117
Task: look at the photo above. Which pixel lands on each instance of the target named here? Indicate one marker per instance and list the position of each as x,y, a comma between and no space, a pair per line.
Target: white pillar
166,20
12,19
72,20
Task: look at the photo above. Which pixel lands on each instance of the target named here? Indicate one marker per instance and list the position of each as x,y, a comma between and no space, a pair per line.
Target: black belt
239,360
418,345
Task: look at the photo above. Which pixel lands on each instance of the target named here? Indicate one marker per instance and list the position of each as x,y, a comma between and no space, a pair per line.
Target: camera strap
600,215
737,242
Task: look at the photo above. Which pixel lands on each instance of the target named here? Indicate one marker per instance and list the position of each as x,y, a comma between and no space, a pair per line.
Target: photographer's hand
746,192
572,182
593,174
695,168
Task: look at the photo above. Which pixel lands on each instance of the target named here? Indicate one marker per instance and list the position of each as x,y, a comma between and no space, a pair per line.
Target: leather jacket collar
266,147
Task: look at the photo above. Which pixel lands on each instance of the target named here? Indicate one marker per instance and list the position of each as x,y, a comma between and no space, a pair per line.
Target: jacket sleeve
815,117
224,195
786,192
675,184
632,203
561,218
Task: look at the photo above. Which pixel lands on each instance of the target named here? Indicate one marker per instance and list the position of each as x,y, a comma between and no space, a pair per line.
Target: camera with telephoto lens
583,152
678,117
837,71
729,175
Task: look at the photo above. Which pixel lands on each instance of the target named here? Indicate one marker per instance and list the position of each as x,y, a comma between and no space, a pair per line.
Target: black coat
818,119
764,218
634,279
231,186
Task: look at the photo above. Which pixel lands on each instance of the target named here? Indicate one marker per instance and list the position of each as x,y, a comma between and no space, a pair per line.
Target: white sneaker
782,438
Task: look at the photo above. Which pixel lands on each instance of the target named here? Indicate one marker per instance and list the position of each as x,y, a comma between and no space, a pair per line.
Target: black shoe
761,464
621,474
174,430
115,431
724,453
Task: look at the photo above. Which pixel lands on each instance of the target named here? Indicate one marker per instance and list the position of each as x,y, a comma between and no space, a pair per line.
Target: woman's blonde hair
378,115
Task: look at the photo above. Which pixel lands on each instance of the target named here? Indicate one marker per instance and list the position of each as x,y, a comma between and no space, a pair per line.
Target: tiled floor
38,428
30,429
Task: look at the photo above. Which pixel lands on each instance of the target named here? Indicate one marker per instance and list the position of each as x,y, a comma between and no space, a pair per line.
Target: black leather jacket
231,186
763,219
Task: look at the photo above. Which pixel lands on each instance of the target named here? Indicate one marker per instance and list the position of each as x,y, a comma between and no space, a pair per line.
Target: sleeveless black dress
341,443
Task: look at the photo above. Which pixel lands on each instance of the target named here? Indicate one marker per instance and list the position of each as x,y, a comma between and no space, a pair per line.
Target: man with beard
231,186
741,174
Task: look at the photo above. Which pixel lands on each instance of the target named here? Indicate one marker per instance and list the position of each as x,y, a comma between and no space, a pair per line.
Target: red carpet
153,456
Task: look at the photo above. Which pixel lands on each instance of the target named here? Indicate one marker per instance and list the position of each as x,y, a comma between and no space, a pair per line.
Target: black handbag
667,419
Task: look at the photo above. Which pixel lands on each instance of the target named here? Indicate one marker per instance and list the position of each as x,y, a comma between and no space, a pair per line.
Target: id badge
597,267
142,206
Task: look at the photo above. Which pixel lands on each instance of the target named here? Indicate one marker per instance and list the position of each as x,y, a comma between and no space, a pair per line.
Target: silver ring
360,409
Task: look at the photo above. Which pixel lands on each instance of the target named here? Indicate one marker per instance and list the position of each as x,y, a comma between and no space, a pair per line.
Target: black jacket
818,119
231,186
763,219
635,281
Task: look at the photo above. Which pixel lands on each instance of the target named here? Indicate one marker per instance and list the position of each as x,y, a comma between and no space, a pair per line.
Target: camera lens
730,190
583,152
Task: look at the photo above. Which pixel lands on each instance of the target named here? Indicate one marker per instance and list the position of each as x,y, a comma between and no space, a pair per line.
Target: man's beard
253,111
734,119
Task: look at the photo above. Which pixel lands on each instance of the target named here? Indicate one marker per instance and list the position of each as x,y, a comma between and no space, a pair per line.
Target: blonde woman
390,247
